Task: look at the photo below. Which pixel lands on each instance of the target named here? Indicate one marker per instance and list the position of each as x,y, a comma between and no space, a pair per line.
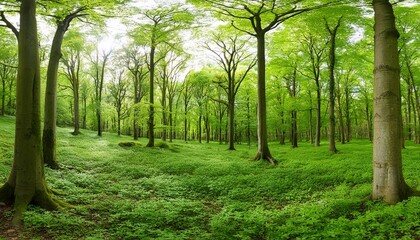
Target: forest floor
203,191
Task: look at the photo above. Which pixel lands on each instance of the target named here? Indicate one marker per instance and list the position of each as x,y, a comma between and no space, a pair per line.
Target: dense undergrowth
203,191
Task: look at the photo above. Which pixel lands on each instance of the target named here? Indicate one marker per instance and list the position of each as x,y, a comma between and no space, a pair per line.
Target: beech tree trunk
388,180
26,183
263,150
50,110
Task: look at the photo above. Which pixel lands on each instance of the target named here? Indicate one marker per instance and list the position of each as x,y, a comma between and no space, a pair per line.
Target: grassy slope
202,191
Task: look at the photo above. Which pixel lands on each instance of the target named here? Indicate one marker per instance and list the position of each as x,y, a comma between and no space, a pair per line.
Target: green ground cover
203,191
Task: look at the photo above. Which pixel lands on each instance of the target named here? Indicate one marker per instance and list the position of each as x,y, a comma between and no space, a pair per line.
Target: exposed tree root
52,164
414,192
269,159
6,194
45,199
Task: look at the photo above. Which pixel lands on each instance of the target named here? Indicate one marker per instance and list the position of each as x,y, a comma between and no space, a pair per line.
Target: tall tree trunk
98,118
347,113
119,122
76,120
185,127
151,121
282,132
84,120
408,121
26,183
171,126
263,150
416,103
207,124
3,95
311,129
136,128
199,128
341,122
294,132
331,66
388,181
318,115
164,113
50,110
248,121
231,109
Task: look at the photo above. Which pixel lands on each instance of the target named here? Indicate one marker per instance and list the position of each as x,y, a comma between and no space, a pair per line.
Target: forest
188,119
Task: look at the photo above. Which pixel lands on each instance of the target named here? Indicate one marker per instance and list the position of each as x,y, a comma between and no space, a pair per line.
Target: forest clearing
208,119
203,191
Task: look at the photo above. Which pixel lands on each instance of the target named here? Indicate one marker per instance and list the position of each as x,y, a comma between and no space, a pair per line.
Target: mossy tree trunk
26,183
332,91
388,181
50,110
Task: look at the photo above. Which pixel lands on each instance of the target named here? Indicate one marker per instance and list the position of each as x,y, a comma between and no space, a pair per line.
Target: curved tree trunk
50,111
388,181
26,183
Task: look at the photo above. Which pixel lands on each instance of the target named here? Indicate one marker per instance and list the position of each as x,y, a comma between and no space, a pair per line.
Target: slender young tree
230,54
163,25
99,63
118,90
388,181
7,73
186,97
316,52
292,86
26,183
71,60
169,70
136,64
200,82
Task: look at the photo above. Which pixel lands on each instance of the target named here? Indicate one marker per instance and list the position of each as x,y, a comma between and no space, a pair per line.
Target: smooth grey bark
50,110
388,181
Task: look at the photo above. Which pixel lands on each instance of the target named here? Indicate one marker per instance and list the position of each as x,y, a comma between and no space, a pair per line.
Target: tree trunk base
264,157
45,199
52,164
404,194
